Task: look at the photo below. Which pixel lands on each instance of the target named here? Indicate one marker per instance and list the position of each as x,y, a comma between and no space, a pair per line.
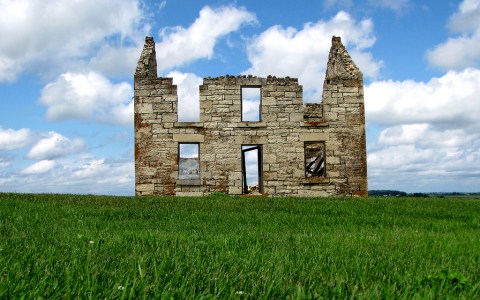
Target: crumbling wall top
250,79
147,63
340,65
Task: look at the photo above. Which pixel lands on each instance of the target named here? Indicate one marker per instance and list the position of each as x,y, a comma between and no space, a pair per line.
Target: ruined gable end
248,125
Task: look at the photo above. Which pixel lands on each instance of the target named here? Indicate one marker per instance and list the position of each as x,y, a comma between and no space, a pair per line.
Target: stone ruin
298,149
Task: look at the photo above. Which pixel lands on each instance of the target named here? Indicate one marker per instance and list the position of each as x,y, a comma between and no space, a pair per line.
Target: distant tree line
386,193
395,193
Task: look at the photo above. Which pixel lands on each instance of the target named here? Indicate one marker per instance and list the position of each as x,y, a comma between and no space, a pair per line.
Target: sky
66,81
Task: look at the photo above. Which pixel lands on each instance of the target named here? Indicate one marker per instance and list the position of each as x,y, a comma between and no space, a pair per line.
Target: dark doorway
252,169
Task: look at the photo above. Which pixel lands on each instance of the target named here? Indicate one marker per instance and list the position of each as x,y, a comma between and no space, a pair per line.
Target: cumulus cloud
11,139
115,60
421,157
200,38
451,100
88,96
39,167
303,53
63,165
429,133
463,50
53,33
188,95
467,18
85,174
55,145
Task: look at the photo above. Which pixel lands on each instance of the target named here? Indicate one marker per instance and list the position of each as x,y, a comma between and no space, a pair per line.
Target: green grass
69,246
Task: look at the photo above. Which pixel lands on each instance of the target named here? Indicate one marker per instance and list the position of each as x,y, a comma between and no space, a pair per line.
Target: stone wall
285,127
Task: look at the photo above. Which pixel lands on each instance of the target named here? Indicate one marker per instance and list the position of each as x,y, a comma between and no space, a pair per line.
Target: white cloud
5,161
449,101
430,135
40,167
467,18
464,50
288,52
456,53
182,45
82,175
114,60
55,145
422,157
91,168
58,34
11,139
188,95
423,135
88,96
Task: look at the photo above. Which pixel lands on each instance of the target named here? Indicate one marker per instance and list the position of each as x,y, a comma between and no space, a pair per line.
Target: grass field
69,246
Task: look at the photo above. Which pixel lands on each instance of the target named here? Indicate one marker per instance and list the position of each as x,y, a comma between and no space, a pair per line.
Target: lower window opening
188,161
315,159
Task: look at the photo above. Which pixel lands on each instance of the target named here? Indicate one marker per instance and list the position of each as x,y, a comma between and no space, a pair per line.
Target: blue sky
66,75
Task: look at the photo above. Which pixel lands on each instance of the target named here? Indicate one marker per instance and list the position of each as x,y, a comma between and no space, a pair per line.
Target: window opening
315,159
252,169
251,104
188,93
188,161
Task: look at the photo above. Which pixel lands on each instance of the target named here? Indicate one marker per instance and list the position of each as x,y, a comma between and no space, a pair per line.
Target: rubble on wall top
250,79
147,63
340,65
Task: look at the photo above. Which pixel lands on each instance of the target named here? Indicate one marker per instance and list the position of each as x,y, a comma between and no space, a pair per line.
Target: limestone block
296,117
353,90
145,188
170,98
188,138
331,116
314,136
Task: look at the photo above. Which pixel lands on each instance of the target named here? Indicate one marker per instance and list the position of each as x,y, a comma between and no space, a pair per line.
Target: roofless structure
300,149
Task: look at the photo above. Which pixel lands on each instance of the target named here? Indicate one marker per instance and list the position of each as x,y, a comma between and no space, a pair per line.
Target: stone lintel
314,137
188,138
251,140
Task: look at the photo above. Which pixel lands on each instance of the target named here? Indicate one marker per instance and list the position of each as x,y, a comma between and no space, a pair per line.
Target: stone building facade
302,149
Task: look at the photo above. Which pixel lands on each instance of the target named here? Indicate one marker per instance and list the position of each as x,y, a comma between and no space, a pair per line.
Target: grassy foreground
68,246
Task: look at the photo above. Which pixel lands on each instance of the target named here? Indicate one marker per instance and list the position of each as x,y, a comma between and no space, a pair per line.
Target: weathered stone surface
286,126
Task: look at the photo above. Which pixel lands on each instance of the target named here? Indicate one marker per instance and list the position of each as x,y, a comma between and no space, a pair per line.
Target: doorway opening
252,169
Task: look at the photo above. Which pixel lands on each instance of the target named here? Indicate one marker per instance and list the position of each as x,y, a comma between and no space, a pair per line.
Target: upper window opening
188,93
315,159
251,104
188,161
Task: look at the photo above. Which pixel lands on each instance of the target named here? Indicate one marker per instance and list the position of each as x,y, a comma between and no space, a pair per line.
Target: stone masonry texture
286,125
